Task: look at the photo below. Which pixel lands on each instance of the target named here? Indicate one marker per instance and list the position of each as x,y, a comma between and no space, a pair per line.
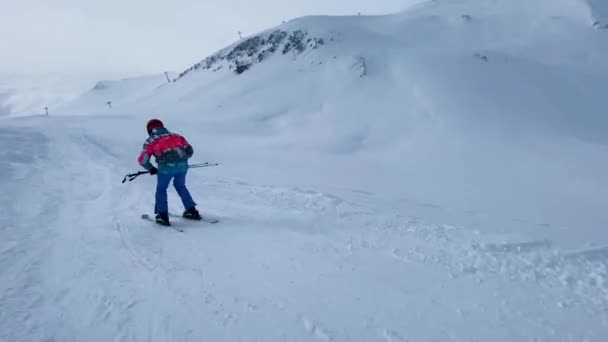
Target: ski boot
192,214
163,219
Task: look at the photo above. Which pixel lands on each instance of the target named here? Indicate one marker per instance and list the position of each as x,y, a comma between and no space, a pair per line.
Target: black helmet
153,124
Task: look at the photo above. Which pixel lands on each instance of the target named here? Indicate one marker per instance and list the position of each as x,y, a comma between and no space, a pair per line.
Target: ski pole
132,176
193,166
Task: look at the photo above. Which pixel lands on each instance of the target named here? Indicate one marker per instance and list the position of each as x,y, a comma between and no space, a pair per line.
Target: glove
153,171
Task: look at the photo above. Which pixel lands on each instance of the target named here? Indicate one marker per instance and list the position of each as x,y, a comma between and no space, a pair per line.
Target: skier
171,152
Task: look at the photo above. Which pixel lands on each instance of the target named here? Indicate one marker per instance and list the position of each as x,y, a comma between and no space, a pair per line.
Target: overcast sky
140,36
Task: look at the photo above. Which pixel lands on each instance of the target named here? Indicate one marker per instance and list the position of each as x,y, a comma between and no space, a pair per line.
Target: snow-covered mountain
108,94
29,93
436,174
451,94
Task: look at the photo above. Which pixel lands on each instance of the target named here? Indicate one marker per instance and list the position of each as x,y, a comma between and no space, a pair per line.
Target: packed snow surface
433,175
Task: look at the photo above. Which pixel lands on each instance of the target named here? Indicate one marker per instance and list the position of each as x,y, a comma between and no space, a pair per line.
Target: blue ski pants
179,182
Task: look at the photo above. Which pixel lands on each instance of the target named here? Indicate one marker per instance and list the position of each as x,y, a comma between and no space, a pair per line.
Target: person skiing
171,152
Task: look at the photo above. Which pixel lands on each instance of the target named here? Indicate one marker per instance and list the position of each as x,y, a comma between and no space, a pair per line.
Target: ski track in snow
88,267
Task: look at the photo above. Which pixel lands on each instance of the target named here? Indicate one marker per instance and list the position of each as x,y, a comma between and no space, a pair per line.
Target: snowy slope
432,175
28,94
108,94
459,101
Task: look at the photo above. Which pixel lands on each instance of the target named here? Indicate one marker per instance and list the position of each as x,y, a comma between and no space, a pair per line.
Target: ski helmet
153,124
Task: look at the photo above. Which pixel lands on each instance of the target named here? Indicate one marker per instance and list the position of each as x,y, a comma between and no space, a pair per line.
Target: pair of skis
179,229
